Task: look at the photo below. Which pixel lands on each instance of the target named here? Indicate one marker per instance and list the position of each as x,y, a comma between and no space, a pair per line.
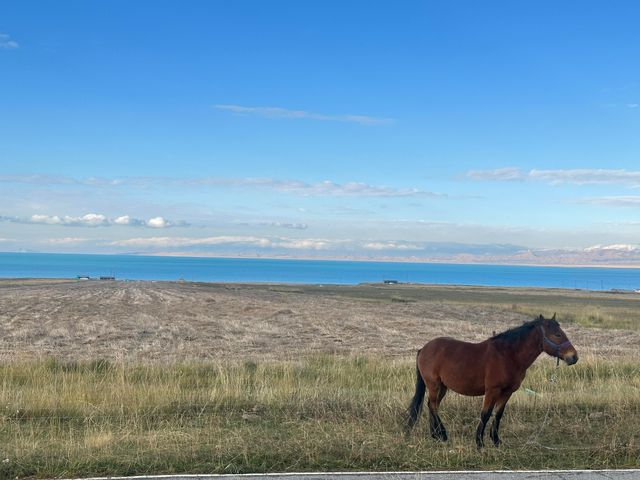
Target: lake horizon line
399,260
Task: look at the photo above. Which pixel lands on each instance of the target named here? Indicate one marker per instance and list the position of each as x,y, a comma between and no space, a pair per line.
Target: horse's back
459,365
450,345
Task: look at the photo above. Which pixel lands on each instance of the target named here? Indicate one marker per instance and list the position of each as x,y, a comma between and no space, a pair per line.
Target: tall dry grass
322,413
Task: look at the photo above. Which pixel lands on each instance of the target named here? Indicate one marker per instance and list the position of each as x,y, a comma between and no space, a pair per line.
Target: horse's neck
530,349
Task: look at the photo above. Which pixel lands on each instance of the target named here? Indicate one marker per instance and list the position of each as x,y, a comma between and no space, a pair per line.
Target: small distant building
390,282
107,277
83,277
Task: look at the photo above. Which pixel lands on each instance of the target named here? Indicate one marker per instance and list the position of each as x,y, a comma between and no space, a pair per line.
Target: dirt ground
172,321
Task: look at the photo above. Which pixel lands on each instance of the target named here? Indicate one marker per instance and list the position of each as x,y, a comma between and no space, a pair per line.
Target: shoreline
268,284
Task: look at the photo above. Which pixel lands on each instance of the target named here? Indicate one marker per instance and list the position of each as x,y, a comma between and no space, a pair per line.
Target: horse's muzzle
571,359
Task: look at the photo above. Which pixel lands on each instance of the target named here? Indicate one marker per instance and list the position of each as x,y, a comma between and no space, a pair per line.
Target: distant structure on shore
102,277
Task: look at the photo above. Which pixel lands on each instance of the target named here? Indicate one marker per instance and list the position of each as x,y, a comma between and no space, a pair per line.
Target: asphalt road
451,475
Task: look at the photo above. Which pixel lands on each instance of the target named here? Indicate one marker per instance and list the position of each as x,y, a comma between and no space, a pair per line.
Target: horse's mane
516,334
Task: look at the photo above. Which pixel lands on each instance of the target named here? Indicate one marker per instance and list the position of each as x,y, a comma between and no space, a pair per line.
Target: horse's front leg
501,404
490,397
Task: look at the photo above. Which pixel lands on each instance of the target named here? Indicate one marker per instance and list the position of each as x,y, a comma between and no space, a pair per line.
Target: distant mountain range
599,255
619,255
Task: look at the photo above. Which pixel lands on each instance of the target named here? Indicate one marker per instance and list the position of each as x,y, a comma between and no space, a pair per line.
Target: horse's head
555,341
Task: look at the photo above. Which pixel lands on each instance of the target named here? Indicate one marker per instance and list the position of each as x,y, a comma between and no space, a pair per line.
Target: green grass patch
324,413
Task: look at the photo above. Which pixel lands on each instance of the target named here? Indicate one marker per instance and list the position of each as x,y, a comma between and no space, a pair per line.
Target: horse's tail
416,404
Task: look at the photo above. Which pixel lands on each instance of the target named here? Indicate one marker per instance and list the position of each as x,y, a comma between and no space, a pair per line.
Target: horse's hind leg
441,430
416,403
437,391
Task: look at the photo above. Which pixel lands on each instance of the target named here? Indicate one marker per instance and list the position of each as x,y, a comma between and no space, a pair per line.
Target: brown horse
494,368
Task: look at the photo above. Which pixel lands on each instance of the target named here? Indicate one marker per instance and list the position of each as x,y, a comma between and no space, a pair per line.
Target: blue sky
337,129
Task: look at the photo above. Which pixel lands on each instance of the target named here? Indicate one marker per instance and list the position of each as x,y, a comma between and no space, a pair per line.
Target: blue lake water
134,267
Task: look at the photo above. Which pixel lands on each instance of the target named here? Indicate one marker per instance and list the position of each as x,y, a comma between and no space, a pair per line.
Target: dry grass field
168,322
124,378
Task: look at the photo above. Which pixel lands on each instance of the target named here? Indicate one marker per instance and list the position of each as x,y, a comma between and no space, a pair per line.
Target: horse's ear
554,316
540,317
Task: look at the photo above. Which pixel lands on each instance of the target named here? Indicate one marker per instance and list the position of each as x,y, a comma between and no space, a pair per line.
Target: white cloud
6,43
343,248
157,222
357,189
293,226
65,241
38,179
498,174
88,220
326,188
615,247
579,176
586,176
236,241
391,246
127,220
167,242
288,225
309,244
614,201
55,220
306,244
93,220
278,112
